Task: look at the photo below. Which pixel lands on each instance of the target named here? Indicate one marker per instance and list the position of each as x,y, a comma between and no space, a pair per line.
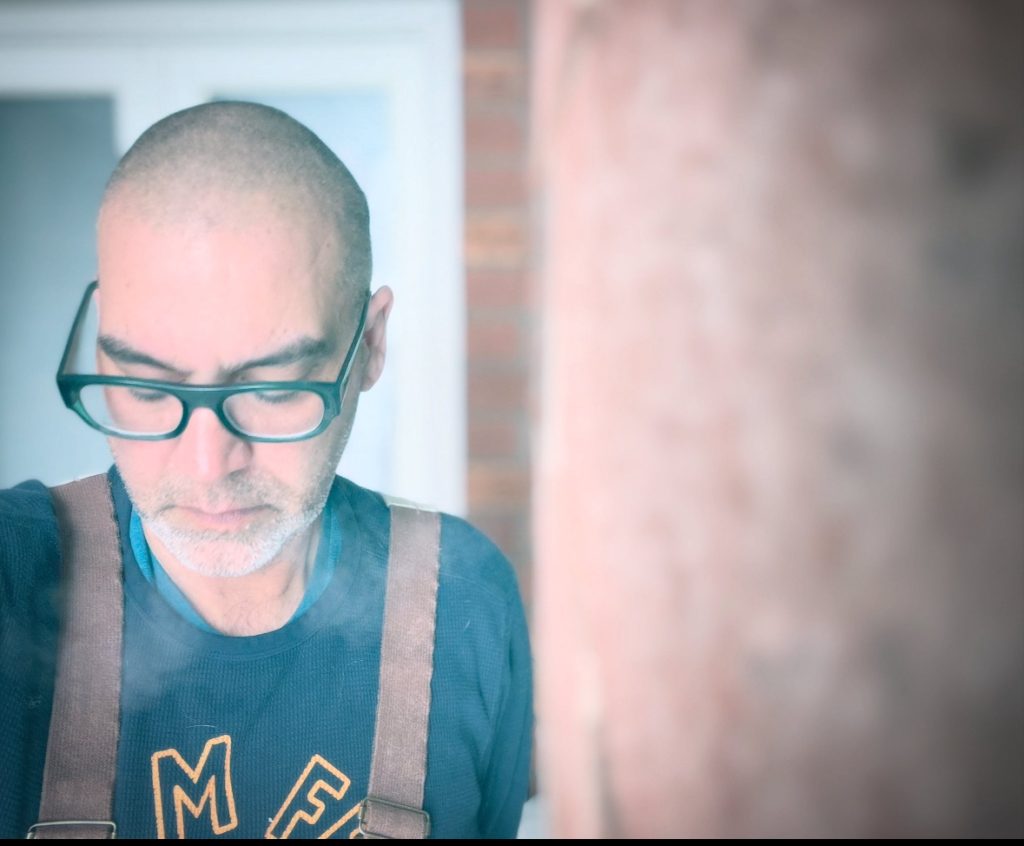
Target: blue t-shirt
271,735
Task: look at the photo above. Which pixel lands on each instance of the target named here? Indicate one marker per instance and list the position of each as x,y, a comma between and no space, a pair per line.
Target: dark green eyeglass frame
202,396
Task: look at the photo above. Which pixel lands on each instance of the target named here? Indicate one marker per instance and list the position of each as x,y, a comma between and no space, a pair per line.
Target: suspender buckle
405,821
51,830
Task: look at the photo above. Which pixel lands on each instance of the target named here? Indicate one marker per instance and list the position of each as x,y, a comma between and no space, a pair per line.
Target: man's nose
208,450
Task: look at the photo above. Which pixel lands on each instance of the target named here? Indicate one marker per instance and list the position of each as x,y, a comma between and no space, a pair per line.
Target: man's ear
375,337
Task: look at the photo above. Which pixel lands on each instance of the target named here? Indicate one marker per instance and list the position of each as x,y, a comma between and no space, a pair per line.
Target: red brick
489,134
490,439
494,78
494,188
495,239
493,23
496,484
496,289
497,339
497,391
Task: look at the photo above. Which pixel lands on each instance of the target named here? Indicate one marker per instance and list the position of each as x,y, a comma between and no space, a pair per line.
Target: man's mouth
221,519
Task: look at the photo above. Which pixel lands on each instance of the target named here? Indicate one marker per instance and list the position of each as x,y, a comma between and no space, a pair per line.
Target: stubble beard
230,555
284,515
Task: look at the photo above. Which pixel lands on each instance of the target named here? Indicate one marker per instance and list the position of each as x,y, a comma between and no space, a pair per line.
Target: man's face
200,300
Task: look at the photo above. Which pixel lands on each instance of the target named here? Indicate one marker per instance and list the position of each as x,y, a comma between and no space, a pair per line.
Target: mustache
231,493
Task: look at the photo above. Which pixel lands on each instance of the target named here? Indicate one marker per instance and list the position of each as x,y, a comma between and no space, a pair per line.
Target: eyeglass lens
128,410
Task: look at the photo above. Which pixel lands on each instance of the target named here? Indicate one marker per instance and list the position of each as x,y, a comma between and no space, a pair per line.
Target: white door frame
156,57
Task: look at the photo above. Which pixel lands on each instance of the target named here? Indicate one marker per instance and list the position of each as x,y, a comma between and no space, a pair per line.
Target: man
234,250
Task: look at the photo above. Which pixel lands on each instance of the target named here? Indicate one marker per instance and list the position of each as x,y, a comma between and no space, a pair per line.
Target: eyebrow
303,349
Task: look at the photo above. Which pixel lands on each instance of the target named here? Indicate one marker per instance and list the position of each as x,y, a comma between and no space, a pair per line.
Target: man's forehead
249,246
210,291
206,348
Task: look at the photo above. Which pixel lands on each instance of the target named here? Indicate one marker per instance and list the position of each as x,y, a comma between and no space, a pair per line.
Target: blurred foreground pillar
780,491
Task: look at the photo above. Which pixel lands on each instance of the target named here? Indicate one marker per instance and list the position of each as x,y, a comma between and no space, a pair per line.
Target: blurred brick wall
779,586
495,85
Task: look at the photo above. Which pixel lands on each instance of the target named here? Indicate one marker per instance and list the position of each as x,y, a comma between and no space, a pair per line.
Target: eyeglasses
154,410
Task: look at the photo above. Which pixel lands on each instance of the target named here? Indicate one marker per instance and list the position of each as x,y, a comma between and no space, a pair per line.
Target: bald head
218,160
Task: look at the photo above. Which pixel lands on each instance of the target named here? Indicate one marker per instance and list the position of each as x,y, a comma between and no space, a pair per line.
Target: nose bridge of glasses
203,396
210,398
207,446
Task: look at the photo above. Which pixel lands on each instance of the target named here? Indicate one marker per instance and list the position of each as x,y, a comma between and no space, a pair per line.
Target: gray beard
217,555
220,555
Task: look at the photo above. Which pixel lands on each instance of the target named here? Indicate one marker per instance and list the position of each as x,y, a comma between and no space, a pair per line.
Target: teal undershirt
327,555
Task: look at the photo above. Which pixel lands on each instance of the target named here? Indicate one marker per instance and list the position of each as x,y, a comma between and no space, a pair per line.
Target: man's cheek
139,462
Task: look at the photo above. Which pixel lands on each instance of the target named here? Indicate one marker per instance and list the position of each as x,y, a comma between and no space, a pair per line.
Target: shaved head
215,161
233,247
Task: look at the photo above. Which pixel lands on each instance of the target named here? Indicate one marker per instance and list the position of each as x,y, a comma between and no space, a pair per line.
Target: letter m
203,790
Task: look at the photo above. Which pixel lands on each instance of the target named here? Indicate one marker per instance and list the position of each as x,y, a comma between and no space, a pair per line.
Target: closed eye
142,395
279,397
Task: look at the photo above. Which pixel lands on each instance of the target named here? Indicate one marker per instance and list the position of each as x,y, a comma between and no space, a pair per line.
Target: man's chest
276,746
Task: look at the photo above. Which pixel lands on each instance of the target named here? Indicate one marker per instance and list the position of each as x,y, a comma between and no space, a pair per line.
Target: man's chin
220,559
224,567
222,554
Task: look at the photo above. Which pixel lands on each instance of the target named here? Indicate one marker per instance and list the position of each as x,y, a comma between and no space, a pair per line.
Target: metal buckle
110,824
369,835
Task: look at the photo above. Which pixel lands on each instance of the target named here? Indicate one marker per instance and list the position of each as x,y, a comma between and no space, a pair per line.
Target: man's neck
259,602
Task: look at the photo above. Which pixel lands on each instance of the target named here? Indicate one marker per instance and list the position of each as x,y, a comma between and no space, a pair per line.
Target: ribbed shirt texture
271,735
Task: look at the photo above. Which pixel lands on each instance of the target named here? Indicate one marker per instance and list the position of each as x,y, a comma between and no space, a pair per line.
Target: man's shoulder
26,504
29,574
468,556
474,558
28,529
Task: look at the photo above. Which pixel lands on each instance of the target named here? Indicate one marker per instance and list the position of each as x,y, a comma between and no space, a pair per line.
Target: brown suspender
394,806
81,752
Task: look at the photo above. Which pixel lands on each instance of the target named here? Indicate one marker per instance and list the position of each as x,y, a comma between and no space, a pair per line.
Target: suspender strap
81,751
394,806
